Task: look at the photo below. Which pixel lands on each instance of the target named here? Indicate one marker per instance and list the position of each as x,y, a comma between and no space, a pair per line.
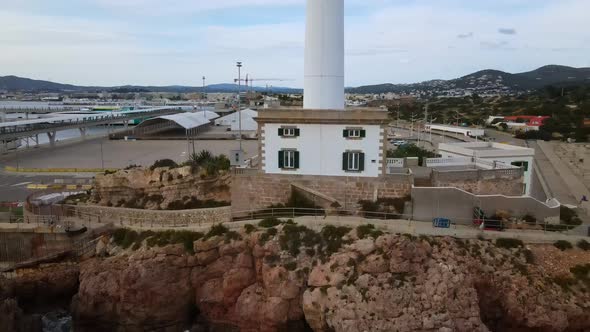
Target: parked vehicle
399,143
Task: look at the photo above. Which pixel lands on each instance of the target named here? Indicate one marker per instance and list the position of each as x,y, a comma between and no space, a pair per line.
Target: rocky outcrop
13,319
46,286
287,277
158,188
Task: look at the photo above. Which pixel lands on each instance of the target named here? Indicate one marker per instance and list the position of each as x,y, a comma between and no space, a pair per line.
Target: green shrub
249,228
232,236
332,237
563,245
411,150
164,163
269,222
216,230
584,245
509,243
367,230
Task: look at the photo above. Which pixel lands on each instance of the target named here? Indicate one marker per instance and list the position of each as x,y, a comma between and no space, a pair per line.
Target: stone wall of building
508,182
146,218
257,190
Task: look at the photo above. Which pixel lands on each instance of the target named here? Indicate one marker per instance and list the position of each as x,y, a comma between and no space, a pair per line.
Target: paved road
119,154
502,137
13,187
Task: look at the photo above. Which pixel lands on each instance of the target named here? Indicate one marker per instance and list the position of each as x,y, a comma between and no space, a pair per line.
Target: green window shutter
297,132
296,159
345,161
361,162
281,159
281,132
345,133
363,133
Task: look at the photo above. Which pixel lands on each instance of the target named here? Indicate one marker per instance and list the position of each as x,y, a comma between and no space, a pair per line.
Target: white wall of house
321,147
507,156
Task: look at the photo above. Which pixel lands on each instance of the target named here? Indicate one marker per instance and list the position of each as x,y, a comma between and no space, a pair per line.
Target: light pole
101,156
239,65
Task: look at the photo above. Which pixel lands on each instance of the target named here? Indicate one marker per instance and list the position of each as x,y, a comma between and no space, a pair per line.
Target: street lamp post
101,156
239,65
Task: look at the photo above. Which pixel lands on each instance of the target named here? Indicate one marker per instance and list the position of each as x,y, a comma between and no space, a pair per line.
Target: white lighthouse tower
324,138
324,55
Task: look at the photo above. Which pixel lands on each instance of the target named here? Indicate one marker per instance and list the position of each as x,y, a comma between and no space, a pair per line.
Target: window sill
354,172
289,169
354,138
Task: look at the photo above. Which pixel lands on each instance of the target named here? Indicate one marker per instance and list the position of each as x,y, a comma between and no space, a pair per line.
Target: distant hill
490,81
20,84
482,82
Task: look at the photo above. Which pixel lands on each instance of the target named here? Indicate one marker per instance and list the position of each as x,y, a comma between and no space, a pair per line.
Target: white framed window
354,133
289,132
353,161
289,159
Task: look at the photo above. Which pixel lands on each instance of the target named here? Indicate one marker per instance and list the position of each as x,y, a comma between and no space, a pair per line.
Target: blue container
441,223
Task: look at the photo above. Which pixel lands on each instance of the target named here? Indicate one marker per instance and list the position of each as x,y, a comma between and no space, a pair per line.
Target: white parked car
399,143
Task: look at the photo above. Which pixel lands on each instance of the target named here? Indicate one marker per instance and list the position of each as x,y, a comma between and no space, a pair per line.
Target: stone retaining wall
259,190
137,217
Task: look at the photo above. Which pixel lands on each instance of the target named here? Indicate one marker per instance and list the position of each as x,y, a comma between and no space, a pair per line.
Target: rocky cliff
48,286
159,188
290,278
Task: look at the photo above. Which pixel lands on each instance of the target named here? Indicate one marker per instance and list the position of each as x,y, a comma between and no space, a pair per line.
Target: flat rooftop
485,149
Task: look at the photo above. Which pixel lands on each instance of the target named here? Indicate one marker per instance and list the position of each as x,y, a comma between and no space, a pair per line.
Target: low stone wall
508,182
146,218
252,191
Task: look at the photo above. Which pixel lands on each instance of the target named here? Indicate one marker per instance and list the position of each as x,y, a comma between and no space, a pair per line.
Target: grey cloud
507,31
465,35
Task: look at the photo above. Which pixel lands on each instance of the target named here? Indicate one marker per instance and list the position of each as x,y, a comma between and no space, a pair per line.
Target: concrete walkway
576,187
415,228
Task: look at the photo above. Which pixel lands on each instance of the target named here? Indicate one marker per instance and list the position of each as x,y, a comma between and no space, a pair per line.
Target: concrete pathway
415,228
575,187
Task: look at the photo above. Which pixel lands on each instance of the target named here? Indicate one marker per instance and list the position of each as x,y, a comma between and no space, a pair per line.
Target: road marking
21,184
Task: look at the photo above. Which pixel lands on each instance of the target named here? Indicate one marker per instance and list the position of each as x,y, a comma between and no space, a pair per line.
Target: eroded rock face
158,188
393,283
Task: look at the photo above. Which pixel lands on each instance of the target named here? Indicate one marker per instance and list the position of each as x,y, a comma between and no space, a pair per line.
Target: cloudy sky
165,42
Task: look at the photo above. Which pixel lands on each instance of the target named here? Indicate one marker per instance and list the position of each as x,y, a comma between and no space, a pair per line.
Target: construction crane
250,80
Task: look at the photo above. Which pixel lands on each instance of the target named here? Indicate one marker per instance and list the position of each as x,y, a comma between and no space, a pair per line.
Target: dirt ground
556,262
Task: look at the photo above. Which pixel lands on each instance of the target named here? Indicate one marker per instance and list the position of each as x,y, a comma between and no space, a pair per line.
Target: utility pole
101,155
413,118
457,118
204,93
239,65
398,110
